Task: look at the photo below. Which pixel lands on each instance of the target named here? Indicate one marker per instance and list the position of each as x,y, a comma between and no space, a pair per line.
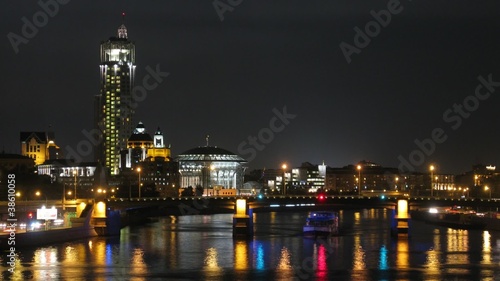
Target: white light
433,210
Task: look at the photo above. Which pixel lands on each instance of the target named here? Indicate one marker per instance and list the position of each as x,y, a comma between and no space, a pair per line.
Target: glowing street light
139,171
38,194
284,166
486,188
75,173
359,179
431,168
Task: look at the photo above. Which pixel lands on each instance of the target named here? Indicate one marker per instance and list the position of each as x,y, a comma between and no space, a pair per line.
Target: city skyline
411,89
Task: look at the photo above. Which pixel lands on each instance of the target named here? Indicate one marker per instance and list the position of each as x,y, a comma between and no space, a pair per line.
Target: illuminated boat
454,217
321,224
81,229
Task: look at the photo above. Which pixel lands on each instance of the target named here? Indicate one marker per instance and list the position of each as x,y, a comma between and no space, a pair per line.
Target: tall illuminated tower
113,112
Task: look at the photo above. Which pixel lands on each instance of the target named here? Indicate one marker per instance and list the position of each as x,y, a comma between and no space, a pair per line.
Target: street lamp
139,170
431,168
486,188
75,173
18,194
284,178
38,193
359,179
64,197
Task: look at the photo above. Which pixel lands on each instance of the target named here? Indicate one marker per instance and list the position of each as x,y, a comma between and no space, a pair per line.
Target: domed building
212,168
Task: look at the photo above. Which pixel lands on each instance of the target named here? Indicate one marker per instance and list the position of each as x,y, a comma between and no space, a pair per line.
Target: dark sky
226,77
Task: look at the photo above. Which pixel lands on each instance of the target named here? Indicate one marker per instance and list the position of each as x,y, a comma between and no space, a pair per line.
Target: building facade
39,146
148,160
113,105
211,168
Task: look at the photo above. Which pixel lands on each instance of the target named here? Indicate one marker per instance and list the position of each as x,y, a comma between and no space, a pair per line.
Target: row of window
34,148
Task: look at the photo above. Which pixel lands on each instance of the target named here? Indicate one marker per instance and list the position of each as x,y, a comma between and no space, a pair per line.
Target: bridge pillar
242,219
400,224
106,222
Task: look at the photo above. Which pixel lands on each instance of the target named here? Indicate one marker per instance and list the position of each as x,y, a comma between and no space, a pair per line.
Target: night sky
226,77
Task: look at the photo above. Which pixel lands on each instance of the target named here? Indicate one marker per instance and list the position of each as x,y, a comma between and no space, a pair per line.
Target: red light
321,197
30,215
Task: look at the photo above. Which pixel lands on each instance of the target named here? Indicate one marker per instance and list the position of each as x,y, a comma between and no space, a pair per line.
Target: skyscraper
113,112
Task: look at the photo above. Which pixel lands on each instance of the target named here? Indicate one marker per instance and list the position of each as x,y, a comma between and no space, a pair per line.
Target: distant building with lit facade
309,176
212,168
479,181
82,175
40,146
148,159
113,106
366,177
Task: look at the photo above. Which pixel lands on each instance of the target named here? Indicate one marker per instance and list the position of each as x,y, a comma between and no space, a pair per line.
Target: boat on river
322,223
81,228
454,217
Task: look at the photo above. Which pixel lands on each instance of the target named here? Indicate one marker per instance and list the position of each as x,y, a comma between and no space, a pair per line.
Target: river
201,247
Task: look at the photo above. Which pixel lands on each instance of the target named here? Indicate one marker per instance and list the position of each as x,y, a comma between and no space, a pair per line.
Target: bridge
111,214
162,206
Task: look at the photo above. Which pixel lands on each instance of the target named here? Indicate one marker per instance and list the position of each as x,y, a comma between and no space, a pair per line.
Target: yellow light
241,207
431,167
283,166
100,210
402,208
359,167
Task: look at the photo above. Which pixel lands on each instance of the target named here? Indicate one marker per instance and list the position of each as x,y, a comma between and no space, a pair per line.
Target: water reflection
138,266
241,255
259,256
202,247
284,260
320,264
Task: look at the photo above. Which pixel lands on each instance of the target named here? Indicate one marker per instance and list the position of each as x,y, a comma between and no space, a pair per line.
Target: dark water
202,248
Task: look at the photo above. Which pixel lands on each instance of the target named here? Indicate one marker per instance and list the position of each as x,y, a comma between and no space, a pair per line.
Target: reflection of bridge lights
137,264
241,255
403,255
259,260
211,259
487,247
359,255
383,265
284,261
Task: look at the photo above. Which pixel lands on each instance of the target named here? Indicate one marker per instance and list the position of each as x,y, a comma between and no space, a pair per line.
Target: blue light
382,197
259,259
383,265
